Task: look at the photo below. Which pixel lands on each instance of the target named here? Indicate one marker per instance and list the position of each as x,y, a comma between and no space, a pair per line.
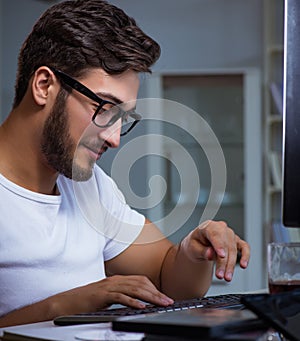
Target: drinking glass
283,266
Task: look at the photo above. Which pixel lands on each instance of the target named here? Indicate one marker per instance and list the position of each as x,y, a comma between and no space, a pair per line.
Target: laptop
198,323
281,311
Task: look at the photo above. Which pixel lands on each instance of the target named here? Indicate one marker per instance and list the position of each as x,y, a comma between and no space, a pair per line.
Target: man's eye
108,106
125,118
95,106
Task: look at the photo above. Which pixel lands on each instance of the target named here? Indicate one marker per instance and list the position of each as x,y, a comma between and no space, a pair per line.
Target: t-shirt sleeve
121,223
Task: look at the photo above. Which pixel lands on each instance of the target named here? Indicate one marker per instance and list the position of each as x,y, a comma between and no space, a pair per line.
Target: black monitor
291,119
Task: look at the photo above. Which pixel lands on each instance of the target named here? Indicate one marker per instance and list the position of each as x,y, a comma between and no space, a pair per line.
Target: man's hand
126,290
214,240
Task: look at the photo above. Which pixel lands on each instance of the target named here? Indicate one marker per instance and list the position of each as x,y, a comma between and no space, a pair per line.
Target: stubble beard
57,145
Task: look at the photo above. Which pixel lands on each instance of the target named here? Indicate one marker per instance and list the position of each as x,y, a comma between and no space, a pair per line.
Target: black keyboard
228,301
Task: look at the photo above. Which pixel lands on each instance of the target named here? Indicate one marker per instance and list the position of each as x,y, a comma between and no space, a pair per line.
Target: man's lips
96,152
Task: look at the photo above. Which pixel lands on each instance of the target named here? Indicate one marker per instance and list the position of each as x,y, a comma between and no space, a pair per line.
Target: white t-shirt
50,244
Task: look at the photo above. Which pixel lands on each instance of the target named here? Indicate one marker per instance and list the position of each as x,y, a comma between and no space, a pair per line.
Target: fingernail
167,300
221,273
229,276
141,304
245,263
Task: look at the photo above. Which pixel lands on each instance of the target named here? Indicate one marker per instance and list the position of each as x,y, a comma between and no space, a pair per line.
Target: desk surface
93,332
48,331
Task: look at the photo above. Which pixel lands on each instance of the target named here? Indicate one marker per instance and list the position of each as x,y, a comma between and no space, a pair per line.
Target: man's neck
21,159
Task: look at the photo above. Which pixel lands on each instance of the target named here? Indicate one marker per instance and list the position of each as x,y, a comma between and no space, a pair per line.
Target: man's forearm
181,278
37,312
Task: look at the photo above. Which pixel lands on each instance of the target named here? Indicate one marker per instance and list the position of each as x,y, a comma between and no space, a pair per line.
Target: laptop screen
281,311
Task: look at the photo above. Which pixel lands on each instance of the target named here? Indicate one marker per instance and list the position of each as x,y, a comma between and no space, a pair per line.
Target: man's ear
42,84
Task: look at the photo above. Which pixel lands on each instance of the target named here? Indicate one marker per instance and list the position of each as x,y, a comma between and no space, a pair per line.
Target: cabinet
198,126
229,101
192,152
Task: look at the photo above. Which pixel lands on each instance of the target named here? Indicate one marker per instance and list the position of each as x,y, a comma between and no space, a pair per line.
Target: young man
77,84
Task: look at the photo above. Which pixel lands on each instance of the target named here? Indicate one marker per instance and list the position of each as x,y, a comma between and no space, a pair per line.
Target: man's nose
112,135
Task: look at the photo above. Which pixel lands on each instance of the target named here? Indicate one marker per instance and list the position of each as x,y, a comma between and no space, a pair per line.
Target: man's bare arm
184,270
126,290
188,268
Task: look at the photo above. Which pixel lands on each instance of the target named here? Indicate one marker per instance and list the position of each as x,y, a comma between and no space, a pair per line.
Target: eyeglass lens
109,114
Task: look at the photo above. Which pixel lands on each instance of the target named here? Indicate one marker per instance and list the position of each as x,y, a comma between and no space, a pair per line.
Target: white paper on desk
48,331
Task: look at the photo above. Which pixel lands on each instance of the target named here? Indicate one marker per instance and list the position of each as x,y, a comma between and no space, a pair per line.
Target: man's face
71,143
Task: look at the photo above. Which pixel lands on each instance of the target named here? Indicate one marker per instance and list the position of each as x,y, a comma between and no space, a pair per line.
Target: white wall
202,33
194,34
17,19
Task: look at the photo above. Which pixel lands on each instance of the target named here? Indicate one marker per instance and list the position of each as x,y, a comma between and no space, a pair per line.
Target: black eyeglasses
107,113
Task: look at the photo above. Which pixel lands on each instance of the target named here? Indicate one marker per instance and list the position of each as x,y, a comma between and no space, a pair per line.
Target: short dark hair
76,35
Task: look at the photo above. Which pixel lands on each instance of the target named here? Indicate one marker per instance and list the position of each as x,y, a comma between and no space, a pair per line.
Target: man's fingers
244,249
224,244
121,298
138,288
216,241
225,265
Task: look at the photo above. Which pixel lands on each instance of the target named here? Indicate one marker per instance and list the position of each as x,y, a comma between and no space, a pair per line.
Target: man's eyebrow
109,97
113,99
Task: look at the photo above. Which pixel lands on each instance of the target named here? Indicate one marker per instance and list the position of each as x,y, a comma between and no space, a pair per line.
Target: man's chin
82,174
82,169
